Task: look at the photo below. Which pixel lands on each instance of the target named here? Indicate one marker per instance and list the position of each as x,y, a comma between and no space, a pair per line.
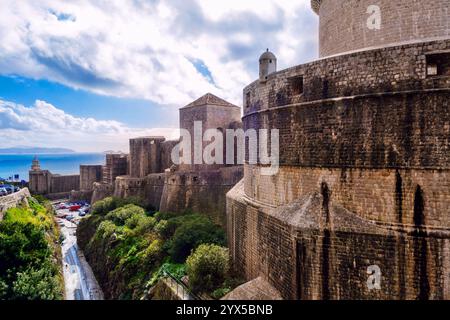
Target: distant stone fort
360,208
148,174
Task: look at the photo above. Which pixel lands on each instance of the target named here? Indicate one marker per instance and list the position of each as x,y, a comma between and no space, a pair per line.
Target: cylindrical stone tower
347,25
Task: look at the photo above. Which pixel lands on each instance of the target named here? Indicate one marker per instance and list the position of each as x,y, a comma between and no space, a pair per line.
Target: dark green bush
207,267
192,231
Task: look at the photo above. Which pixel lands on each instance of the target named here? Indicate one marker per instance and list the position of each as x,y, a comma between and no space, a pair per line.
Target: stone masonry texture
343,23
364,162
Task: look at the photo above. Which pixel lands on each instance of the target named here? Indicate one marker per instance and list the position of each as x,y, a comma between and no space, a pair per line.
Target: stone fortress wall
13,200
355,135
343,23
364,180
52,185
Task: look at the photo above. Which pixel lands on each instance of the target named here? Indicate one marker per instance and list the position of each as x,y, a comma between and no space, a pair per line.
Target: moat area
79,280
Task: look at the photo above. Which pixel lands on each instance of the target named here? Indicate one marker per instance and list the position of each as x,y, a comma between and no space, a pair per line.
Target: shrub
28,257
194,231
145,225
154,251
105,229
120,215
207,267
162,229
3,289
37,284
219,293
41,199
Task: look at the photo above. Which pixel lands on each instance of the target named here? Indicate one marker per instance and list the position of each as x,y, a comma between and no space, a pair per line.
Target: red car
74,208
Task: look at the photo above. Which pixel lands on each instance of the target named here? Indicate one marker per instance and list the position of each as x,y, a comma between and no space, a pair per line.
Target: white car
3,192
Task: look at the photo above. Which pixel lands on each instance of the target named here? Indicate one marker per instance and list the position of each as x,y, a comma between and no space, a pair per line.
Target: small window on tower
247,100
296,84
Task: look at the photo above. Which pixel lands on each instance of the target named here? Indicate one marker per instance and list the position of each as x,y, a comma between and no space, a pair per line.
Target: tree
207,267
194,230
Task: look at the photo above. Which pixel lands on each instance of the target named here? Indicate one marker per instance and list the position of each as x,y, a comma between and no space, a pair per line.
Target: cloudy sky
91,74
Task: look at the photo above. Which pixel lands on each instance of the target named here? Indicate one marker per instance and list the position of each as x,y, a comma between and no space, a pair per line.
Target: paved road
80,282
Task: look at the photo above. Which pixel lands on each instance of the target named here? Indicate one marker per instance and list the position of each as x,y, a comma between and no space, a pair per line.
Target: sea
19,164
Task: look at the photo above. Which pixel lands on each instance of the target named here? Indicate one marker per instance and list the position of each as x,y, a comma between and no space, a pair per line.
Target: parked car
74,208
3,192
62,206
9,188
69,217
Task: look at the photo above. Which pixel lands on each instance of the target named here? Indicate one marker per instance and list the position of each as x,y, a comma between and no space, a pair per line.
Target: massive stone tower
359,208
344,23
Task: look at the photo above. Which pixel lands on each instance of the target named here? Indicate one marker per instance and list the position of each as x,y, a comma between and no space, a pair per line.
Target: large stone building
359,208
56,186
44,182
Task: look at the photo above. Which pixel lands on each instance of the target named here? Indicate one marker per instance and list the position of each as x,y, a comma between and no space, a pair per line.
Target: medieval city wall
392,69
145,156
90,174
303,260
201,192
115,165
166,154
363,179
13,200
343,24
405,131
61,184
148,189
383,195
101,191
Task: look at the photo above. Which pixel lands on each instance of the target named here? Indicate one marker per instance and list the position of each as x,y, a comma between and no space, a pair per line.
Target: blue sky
82,103
94,74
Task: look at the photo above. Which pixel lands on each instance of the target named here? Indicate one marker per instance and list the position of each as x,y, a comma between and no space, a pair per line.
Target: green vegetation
128,247
207,268
29,253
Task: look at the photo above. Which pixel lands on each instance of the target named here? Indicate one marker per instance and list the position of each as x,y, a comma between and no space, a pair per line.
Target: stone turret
267,65
35,165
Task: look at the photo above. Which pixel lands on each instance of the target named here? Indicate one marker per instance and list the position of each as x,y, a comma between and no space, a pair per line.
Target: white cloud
45,125
145,48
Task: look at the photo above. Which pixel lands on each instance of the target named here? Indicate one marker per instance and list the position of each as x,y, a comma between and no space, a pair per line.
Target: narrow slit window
247,100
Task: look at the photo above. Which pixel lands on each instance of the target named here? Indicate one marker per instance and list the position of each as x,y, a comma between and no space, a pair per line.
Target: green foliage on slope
29,267
127,246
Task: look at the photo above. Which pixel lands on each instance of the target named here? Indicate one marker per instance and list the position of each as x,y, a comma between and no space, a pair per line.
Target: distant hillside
25,150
